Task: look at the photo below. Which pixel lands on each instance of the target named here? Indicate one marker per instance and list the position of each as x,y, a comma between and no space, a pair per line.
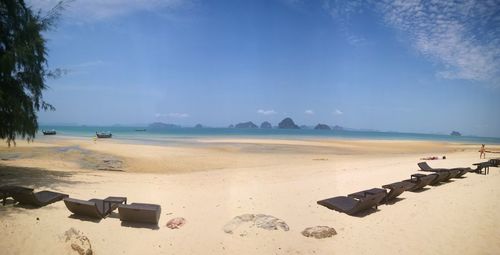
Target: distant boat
140,130
49,132
103,134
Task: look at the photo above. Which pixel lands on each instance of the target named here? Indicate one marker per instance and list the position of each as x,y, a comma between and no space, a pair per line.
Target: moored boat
49,132
103,134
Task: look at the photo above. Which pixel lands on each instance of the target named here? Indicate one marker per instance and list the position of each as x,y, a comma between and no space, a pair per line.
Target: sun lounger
352,206
441,177
94,208
137,212
365,193
42,198
495,162
7,191
395,189
461,170
483,167
420,180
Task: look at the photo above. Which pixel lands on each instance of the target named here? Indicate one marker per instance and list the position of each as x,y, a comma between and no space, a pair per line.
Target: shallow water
183,135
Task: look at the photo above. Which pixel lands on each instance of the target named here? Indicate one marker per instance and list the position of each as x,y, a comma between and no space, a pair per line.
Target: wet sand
210,181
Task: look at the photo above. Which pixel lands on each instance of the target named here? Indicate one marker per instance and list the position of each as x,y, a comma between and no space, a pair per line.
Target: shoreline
215,153
211,184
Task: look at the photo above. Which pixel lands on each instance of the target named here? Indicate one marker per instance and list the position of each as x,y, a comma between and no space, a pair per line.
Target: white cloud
309,112
452,34
172,115
266,112
337,112
462,36
91,10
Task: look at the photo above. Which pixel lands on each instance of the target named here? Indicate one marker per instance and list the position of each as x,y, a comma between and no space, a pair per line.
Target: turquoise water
156,135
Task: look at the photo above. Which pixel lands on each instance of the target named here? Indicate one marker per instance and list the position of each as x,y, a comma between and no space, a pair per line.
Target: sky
409,66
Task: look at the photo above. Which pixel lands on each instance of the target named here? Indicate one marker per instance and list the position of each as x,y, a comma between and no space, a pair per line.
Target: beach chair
483,167
461,170
368,192
494,162
420,180
441,177
352,206
94,208
139,212
26,196
395,189
7,191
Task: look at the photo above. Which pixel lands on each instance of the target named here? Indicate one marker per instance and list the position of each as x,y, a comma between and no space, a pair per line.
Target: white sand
210,183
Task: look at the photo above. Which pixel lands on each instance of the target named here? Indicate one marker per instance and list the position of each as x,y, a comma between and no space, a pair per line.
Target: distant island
161,125
248,124
198,126
266,124
322,127
338,128
288,123
455,133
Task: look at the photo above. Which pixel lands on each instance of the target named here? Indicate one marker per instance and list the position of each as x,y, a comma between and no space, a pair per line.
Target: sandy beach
210,181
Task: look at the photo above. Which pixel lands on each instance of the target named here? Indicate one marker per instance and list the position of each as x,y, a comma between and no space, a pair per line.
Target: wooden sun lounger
138,212
94,208
483,167
352,206
42,198
7,191
463,171
455,172
441,177
420,180
495,162
395,189
368,192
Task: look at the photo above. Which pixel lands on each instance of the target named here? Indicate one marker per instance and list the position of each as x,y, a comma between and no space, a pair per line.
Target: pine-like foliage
23,68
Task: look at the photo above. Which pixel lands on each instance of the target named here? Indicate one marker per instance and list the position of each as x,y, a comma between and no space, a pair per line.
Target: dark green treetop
23,68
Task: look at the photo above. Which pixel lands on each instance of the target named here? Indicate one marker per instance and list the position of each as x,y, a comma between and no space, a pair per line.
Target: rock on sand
319,232
263,221
78,242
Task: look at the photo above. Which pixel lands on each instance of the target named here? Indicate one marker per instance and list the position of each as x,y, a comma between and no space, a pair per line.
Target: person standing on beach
482,152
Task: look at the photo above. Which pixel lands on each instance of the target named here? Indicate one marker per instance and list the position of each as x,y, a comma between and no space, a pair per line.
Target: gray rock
248,124
338,128
319,232
266,124
263,221
288,123
78,242
176,223
322,127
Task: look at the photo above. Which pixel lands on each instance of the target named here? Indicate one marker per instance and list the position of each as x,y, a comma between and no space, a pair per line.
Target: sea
137,134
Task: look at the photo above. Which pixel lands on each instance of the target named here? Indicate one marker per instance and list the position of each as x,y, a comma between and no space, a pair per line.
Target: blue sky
413,66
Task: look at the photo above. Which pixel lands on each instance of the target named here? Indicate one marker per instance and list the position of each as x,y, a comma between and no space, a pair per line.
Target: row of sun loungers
93,208
360,201
27,196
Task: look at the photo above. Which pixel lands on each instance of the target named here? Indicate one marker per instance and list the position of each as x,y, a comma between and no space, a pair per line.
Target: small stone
176,223
263,221
37,218
78,242
319,232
